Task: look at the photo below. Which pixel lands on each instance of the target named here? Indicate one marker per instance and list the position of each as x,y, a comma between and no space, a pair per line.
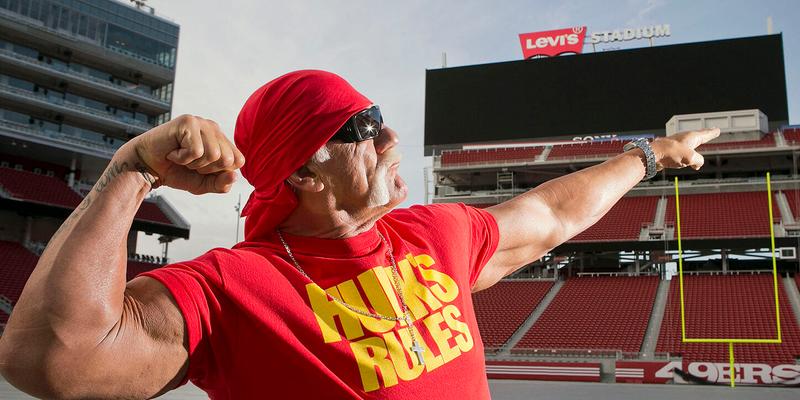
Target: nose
386,140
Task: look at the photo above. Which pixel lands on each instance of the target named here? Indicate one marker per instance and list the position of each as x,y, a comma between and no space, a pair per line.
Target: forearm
534,223
581,198
76,291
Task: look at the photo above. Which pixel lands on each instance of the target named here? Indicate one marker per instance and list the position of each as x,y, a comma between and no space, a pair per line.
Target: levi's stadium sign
571,40
552,43
621,35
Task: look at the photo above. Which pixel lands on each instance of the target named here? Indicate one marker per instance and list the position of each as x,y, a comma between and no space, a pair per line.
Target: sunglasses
365,125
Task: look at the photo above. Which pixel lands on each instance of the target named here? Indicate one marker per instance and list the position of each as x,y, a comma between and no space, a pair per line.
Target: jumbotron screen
597,93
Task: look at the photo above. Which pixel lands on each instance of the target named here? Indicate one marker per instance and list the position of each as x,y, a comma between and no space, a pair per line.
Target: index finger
704,136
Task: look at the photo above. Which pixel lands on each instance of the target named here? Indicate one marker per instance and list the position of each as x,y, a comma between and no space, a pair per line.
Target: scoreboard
635,90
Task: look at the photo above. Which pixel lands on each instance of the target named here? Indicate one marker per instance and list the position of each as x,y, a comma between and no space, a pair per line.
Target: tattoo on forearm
114,170
87,201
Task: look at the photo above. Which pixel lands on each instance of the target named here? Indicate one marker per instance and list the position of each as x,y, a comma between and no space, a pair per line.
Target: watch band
643,144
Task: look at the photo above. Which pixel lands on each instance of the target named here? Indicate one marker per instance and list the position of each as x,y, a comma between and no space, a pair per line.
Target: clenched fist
189,153
678,150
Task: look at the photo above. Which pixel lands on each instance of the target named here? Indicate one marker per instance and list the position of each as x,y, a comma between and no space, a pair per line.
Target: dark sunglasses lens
375,113
368,123
365,125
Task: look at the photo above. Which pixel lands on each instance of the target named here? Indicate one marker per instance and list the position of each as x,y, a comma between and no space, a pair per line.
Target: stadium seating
487,156
38,188
18,263
585,149
623,222
150,211
723,215
768,140
614,147
729,306
30,165
604,313
502,308
792,135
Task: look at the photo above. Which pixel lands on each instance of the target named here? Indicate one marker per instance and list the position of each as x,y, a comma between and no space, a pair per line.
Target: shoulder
231,256
215,266
426,212
439,215
449,222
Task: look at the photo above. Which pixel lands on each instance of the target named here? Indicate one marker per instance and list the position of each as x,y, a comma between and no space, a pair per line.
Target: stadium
71,93
606,305
615,304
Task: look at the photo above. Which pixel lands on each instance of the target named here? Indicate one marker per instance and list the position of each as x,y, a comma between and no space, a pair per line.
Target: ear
305,180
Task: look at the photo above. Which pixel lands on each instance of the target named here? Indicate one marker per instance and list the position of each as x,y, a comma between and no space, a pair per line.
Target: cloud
645,9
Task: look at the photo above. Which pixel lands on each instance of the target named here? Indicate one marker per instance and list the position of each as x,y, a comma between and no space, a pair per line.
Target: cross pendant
416,348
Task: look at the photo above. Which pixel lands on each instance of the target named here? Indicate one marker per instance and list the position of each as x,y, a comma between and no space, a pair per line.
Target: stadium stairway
537,312
780,141
661,213
545,153
794,296
784,208
656,317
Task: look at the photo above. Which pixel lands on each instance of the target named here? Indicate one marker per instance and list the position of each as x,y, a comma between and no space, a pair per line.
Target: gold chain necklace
415,347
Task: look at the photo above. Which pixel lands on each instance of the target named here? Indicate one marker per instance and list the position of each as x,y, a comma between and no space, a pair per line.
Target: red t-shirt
258,328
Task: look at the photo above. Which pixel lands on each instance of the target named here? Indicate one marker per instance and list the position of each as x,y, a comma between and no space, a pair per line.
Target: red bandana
279,128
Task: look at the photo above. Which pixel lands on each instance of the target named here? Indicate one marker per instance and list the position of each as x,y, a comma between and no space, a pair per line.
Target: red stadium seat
150,211
18,263
605,313
768,140
723,215
730,306
38,188
489,156
43,189
613,147
623,222
502,308
586,149
792,135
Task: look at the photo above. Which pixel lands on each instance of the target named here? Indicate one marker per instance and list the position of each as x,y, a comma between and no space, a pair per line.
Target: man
333,294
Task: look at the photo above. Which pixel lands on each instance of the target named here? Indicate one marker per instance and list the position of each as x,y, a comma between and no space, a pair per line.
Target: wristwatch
643,144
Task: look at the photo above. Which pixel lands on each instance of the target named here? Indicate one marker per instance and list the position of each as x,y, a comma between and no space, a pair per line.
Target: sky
228,49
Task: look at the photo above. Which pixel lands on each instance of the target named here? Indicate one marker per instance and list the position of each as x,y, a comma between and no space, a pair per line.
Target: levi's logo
552,43
545,41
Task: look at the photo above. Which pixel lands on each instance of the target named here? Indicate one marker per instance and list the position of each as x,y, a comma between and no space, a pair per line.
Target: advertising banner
583,372
707,373
552,43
